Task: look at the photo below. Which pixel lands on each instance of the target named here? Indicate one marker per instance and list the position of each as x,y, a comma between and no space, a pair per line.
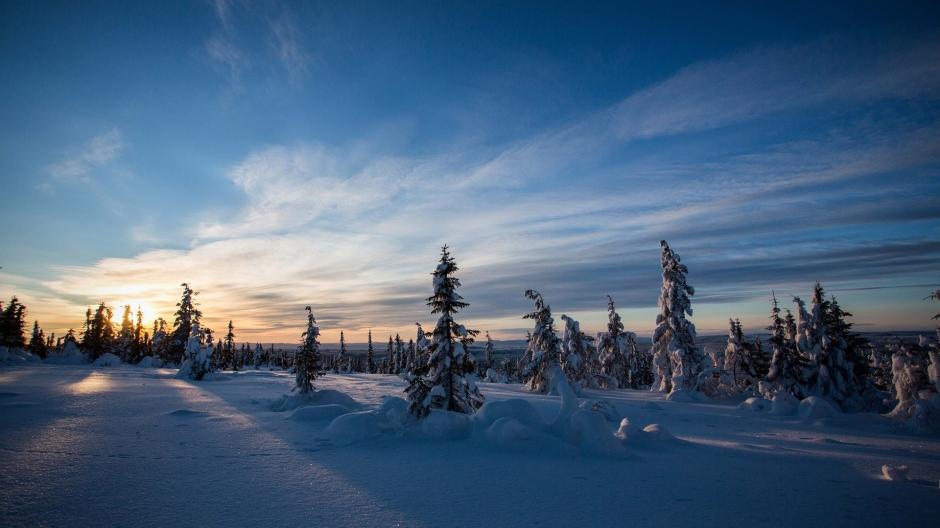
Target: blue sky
282,154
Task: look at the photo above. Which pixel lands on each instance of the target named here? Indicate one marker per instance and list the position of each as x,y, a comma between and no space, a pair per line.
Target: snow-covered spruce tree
487,362
738,373
138,349
159,342
758,358
410,359
575,351
341,363
443,382
421,347
99,332
307,359
37,343
259,353
230,351
617,354
543,353
837,365
197,356
677,361
186,314
787,372
13,324
124,347
849,366
400,358
390,356
370,356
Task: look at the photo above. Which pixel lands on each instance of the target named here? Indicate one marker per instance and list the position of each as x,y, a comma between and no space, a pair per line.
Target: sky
282,154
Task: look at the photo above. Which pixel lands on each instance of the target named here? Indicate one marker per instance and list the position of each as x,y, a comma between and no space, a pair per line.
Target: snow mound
150,362
517,409
919,415
650,437
188,413
70,355
318,413
590,431
755,403
783,404
508,432
107,360
816,408
16,355
604,407
894,472
684,396
289,402
659,433
446,425
391,416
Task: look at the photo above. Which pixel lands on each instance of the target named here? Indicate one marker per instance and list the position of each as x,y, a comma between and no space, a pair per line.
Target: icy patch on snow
107,360
289,402
894,472
816,408
755,403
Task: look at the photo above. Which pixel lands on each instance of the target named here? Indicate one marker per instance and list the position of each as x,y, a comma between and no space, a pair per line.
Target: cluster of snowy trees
810,351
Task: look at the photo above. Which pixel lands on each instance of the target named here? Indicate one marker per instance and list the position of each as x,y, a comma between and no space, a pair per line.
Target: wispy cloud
229,47
222,49
354,228
79,165
288,43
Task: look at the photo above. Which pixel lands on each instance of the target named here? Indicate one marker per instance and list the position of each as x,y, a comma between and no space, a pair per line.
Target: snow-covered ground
129,446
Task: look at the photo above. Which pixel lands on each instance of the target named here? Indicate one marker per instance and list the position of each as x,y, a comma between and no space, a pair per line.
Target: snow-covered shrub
917,405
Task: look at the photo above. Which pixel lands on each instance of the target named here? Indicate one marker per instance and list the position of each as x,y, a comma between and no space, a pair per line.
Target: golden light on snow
91,384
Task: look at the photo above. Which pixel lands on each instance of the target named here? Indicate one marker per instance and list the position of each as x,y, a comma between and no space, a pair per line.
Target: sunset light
486,264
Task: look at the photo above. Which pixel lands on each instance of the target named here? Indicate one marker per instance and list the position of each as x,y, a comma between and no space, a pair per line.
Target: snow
70,355
894,472
756,404
73,437
150,362
107,360
816,408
